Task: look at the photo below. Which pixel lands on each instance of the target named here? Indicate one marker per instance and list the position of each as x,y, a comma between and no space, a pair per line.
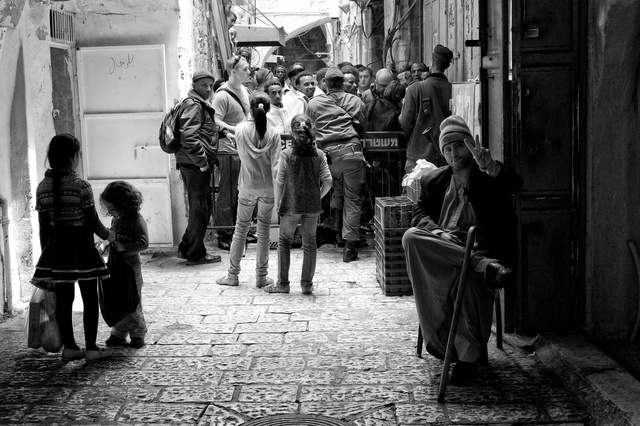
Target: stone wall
26,126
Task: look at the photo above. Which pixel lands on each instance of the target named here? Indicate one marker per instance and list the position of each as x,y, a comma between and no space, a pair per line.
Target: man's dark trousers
199,194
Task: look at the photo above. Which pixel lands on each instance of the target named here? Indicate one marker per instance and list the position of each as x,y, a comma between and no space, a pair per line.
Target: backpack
169,136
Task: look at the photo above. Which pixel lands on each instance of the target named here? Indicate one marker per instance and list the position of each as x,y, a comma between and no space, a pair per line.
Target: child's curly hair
123,196
304,136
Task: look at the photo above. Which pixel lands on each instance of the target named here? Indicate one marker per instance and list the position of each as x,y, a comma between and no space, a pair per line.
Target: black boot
334,221
349,254
464,373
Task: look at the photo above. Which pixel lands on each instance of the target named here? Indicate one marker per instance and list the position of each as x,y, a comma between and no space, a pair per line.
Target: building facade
106,72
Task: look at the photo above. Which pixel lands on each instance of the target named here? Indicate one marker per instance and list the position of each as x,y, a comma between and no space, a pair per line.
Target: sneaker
101,353
72,354
307,289
277,288
137,342
207,258
231,280
263,281
115,341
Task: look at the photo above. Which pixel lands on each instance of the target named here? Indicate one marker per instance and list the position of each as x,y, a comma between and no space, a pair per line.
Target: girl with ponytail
68,220
303,179
259,149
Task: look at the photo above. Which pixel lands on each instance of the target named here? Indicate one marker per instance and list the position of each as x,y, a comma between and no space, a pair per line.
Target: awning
259,35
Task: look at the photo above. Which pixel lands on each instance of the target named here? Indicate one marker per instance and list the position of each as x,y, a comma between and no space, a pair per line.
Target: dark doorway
549,77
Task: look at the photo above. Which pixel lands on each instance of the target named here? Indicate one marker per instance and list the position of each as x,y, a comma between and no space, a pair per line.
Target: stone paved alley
233,355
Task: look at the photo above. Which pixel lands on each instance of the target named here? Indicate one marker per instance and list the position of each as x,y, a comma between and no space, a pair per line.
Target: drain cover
295,420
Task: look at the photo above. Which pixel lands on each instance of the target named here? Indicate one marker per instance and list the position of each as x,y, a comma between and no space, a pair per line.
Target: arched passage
313,35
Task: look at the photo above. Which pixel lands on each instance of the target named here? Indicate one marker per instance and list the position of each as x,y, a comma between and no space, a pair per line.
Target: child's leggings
65,293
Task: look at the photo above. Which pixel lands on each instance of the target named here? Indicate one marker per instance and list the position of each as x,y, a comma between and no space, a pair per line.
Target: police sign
384,141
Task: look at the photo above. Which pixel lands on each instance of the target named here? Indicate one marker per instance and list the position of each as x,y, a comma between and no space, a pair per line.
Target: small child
258,148
303,179
122,201
68,219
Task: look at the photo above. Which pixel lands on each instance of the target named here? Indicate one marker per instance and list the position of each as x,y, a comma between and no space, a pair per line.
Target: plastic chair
484,358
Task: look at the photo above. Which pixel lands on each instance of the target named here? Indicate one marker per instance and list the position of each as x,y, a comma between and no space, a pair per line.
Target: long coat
425,105
491,199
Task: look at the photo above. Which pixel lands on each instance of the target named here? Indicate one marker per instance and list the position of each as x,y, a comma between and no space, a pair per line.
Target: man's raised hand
482,156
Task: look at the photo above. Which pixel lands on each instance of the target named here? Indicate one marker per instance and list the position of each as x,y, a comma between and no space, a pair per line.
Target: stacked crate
392,218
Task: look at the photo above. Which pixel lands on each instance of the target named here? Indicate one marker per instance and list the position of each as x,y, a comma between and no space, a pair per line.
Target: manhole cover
295,420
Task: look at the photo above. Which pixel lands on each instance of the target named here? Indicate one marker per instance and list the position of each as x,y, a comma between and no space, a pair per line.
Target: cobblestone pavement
228,355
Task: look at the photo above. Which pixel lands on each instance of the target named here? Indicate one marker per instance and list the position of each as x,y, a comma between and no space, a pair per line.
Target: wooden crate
391,268
388,245
388,256
391,238
394,286
391,264
394,212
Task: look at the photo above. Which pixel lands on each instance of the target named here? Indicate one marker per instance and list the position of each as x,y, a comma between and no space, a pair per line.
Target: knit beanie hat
453,129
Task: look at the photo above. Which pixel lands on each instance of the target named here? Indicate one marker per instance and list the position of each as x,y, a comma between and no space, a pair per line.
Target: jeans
349,176
227,204
246,206
308,225
199,193
133,324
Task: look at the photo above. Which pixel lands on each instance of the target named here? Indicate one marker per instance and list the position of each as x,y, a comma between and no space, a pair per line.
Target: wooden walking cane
471,236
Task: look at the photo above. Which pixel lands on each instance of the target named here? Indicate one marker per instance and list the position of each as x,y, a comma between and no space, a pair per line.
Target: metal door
548,77
122,103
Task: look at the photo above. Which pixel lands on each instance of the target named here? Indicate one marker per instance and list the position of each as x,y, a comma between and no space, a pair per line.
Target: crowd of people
291,141
344,102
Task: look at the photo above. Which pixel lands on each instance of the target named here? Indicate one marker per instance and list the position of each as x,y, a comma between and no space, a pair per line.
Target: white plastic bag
421,167
411,181
41,326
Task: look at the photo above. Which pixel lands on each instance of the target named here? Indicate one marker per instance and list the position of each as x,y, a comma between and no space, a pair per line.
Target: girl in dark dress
68,220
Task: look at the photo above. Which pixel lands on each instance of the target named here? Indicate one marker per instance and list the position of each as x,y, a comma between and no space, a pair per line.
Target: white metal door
122,103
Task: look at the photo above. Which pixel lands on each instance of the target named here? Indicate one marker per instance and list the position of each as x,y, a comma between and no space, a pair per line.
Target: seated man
472,189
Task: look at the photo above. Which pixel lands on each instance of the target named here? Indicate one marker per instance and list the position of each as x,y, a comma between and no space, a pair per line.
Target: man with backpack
231,103
195,158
